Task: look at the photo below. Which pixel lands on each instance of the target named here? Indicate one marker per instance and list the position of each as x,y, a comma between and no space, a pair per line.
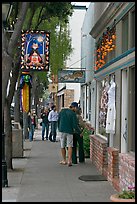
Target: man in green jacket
67,126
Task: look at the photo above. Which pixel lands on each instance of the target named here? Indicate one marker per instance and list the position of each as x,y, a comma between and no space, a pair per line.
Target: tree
8,52
22,12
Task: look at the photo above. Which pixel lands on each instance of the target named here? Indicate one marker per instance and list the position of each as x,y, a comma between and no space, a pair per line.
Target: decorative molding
105,18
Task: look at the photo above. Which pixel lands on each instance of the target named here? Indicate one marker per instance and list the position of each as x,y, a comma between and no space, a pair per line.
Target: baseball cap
74,104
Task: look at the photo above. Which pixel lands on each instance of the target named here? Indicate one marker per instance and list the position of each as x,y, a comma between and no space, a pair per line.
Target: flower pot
115,198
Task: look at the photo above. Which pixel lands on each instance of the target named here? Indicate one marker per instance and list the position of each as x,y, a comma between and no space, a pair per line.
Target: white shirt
53,116
111,94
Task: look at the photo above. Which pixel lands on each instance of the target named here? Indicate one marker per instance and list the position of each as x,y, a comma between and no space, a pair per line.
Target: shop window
62,100
105,47
110,56
103,100
103,104
125,33
89,104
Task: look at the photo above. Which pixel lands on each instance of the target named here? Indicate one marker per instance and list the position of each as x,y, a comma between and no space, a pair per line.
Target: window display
111,112
107,106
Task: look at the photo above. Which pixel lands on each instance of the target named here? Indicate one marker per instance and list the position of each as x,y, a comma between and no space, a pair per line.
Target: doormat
92,178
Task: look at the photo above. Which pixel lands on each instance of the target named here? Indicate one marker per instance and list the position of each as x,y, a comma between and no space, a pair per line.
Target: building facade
114,73
88,89
68,92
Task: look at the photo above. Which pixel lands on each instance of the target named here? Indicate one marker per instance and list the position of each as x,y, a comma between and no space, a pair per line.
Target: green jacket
68,122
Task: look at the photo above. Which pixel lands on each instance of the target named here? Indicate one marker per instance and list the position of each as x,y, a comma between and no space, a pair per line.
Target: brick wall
113,167
68,97
98,153
126,170
119,168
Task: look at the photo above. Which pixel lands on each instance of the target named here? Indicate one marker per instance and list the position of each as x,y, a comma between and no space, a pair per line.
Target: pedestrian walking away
31,125
53,119
45,123
67,124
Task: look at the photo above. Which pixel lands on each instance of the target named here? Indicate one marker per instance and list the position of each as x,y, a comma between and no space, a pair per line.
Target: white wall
87,53
88,42
76,87
75,25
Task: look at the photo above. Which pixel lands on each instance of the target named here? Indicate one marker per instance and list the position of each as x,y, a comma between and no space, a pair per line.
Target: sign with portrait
35,51
71,76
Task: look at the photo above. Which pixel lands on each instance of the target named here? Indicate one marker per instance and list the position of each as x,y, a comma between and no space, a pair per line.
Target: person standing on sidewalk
45,123
67,125
78,138
31,125
53,119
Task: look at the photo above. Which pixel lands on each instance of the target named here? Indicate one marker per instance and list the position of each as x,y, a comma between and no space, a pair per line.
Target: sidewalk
38,177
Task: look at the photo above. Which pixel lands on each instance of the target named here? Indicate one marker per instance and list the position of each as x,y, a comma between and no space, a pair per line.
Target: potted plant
124,196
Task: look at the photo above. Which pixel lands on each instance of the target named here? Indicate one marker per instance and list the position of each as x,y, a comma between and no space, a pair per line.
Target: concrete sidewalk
38,177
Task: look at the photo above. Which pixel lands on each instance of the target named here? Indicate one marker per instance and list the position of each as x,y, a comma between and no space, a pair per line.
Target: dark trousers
53,132
45,126
31,132
77,140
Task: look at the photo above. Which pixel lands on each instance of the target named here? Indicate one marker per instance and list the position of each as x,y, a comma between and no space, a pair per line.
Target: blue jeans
53,131
43,130
31,132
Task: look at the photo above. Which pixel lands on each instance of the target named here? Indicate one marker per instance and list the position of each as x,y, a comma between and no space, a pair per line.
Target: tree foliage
37,16
52,17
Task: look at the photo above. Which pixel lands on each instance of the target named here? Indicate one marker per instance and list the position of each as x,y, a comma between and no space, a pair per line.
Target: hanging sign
71,76
25,85
35,51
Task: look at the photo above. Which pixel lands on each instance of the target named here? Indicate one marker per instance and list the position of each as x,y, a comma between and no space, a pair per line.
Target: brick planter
98,153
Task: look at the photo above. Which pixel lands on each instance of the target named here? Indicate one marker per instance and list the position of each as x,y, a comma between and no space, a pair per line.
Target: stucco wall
87,43
99,8
75,24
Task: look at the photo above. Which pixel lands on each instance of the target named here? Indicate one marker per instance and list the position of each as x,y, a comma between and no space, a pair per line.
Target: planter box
115,198
17,141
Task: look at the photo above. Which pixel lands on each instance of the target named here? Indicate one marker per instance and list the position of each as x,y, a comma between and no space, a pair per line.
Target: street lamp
6,10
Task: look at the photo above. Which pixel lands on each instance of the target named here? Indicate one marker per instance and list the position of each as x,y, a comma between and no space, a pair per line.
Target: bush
86,141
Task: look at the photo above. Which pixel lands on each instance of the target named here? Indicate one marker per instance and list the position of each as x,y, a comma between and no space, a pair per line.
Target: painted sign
71,76
35,51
